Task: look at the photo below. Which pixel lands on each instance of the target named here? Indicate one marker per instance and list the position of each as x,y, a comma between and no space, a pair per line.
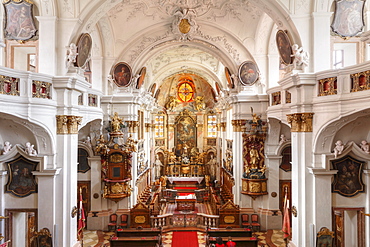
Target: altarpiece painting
21,182
348,17
185,134
19,23
348,181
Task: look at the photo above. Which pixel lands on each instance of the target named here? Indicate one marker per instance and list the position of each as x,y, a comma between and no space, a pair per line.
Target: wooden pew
145,232
240,241
225,232
135,241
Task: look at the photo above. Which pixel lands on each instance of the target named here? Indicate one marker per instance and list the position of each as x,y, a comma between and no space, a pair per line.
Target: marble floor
271,238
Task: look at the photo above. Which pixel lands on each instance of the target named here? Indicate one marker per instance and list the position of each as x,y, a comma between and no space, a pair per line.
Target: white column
47,45
301,190
67,191
321,55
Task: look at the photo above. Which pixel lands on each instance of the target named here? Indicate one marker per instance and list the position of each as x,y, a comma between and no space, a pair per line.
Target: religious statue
301,57
338,149
30,149
7,147
256,119
199,104
101,147
130,144
171,103
157,167
254,158
116,123
365,146
211,164
71,55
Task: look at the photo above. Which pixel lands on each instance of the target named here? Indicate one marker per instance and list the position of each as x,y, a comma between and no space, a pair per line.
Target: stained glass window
185,91
212,126
159,126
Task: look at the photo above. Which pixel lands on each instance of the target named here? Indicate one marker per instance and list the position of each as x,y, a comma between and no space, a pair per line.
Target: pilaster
321,44
3,178
47,188
322,209
367,207
47,43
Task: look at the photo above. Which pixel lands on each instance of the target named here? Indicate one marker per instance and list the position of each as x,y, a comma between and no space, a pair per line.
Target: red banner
81,220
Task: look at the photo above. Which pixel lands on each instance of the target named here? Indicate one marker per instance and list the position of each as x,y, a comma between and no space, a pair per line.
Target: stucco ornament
184,25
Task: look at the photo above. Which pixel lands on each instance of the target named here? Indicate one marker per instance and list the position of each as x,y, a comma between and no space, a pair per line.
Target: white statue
88,141
365,146
71,55
157,167
7,147
301,57
30,149
282,139
339,147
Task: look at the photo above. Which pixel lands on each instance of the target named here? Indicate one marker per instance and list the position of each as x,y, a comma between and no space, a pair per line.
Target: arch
326,134
41,133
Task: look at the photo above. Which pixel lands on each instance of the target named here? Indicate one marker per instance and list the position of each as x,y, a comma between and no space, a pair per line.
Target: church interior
165,121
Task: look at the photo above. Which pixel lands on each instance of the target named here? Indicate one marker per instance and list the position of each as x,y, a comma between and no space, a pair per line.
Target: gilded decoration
132,126
254,157
288,97
41,89
229,219
140,219
276,98
360,81
184,26
300,122
9,85
67,124
327,86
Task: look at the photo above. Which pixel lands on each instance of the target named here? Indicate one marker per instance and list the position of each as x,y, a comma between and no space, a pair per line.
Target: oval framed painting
121,74
248,73
230,81
140,80
284,47
84,45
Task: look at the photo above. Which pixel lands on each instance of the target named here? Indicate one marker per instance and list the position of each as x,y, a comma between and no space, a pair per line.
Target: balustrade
185,220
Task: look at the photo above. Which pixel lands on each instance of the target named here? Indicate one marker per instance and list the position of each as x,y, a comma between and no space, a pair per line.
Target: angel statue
301,57
71,55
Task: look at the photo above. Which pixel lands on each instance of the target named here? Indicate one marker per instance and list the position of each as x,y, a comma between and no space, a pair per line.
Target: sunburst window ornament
185,92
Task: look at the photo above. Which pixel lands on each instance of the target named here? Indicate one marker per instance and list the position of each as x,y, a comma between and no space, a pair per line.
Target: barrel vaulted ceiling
224,33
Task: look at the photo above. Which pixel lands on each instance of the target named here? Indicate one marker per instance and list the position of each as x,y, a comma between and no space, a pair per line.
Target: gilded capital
300,122
68,124
238,125
132,126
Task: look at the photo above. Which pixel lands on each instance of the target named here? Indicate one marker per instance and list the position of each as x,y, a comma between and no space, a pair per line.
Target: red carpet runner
185,239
